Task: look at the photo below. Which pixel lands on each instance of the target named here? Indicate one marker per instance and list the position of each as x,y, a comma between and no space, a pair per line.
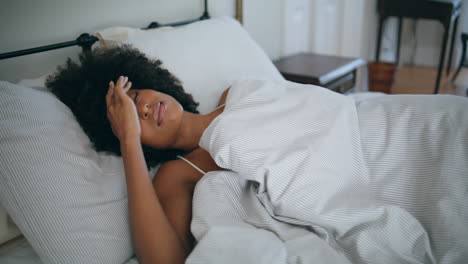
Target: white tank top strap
219,107
191,164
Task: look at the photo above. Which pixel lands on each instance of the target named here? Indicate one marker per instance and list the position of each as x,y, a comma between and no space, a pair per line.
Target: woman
148,126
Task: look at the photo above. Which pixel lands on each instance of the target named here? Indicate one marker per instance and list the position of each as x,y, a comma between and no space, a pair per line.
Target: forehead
141,90
145,92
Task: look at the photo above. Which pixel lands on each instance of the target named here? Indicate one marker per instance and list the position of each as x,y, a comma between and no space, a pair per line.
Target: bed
70,202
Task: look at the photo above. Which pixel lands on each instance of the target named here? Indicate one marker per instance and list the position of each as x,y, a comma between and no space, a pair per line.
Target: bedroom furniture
85,40
445,11
381,76
239,13
332,72
463,61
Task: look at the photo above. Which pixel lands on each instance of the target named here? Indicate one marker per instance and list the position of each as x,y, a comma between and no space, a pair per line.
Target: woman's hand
121,111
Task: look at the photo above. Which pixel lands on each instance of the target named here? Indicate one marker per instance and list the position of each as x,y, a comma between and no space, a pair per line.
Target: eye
135,97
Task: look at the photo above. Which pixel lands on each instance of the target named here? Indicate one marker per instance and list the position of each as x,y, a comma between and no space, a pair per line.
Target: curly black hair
82,87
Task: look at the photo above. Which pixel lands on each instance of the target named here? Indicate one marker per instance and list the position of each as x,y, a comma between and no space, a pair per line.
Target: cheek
153,136
147,133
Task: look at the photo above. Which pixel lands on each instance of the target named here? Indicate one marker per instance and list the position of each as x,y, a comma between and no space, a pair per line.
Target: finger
122,81
110,92
127,87
119,86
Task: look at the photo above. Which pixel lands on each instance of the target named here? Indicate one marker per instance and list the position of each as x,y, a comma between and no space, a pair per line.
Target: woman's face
160,117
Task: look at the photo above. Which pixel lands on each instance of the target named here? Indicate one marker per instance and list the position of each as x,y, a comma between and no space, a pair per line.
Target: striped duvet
315,176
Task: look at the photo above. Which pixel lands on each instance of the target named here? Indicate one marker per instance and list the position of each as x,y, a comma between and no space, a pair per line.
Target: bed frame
85,40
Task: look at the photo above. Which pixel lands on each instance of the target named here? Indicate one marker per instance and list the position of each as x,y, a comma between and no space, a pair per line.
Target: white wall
281,27
343,27
29,23
337,27
295,28
262,19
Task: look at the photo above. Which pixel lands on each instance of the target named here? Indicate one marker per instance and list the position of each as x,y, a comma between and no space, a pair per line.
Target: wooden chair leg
452,42
442,58
379,37
400,24
457,72
462,59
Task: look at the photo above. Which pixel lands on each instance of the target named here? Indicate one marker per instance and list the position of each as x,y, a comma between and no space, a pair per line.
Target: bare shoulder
179,172
203,160
170,174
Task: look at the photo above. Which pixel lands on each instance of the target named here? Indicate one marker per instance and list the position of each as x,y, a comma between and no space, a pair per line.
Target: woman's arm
222,100
174,186
154,238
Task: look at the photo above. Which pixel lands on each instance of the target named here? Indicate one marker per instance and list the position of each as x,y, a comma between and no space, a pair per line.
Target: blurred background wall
281,27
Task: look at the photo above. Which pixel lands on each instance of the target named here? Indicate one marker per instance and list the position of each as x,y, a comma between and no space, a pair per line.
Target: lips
158,112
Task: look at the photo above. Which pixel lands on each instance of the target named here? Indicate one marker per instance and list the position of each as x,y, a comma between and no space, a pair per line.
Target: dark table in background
332,72
445,11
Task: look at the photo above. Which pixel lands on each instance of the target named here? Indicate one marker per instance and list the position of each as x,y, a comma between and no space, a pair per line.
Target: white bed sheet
397,197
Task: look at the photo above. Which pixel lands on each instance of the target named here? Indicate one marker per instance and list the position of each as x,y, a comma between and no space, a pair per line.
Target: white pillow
207,56
36,83
68,201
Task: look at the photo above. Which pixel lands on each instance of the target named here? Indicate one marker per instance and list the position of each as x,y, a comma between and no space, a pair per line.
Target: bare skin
160,211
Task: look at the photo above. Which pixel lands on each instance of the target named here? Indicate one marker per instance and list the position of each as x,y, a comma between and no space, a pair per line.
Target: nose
143,110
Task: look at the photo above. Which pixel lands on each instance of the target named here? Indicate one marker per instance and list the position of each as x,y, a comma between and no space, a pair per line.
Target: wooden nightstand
335,73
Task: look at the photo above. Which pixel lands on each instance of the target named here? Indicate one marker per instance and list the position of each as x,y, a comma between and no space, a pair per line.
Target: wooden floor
421,80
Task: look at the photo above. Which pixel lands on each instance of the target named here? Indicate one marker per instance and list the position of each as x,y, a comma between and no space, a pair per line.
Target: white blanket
315,176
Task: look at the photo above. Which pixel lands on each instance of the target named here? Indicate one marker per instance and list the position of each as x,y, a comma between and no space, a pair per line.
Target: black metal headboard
85,40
